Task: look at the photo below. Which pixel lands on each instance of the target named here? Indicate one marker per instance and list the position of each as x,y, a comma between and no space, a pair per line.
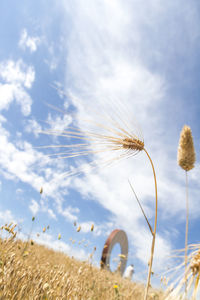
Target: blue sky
89,59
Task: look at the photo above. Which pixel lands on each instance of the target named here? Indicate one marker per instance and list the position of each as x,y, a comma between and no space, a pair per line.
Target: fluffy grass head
186,152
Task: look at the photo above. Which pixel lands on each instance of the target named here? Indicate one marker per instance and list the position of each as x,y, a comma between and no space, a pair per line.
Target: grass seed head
186,152
45,286
122,256
26,253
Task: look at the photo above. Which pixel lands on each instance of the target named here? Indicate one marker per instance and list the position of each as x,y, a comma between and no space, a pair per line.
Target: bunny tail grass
186,160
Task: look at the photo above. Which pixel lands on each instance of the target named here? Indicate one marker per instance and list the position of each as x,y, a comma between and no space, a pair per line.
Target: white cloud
52,63
59,245
28,42
17,78
103,228
33,127
51,214
34,207
17,73
7,95
6,217
21,162
54,56
3,131
58,123
70,213
51,242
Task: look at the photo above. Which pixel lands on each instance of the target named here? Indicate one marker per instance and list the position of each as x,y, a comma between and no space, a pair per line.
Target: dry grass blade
141,208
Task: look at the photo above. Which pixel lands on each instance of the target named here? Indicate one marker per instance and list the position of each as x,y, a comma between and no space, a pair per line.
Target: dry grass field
35,272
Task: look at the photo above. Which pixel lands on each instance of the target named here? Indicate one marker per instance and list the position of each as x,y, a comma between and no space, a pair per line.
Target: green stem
154,230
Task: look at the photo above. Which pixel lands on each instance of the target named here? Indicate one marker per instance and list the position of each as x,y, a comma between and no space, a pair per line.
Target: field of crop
32,271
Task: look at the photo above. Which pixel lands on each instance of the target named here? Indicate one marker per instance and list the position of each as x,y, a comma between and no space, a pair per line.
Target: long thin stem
138,201
186,231
154,230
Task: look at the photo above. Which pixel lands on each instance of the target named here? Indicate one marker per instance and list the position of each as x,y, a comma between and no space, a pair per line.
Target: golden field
31,271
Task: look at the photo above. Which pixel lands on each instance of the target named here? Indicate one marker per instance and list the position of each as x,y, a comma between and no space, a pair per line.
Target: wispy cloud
20,161
16,78
51,242
33,127
34,207
51,213
58,123
22,164
70,213
6,217
29,42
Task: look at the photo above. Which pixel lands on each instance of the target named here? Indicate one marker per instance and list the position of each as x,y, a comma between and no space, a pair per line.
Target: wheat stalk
186,160
115,138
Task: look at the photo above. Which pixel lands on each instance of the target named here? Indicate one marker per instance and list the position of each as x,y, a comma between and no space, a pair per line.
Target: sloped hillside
33,271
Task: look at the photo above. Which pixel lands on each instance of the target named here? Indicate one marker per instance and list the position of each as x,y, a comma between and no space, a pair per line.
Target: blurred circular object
117,236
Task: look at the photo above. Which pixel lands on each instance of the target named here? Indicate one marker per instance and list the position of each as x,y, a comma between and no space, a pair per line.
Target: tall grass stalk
186,229
186,160
153,231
